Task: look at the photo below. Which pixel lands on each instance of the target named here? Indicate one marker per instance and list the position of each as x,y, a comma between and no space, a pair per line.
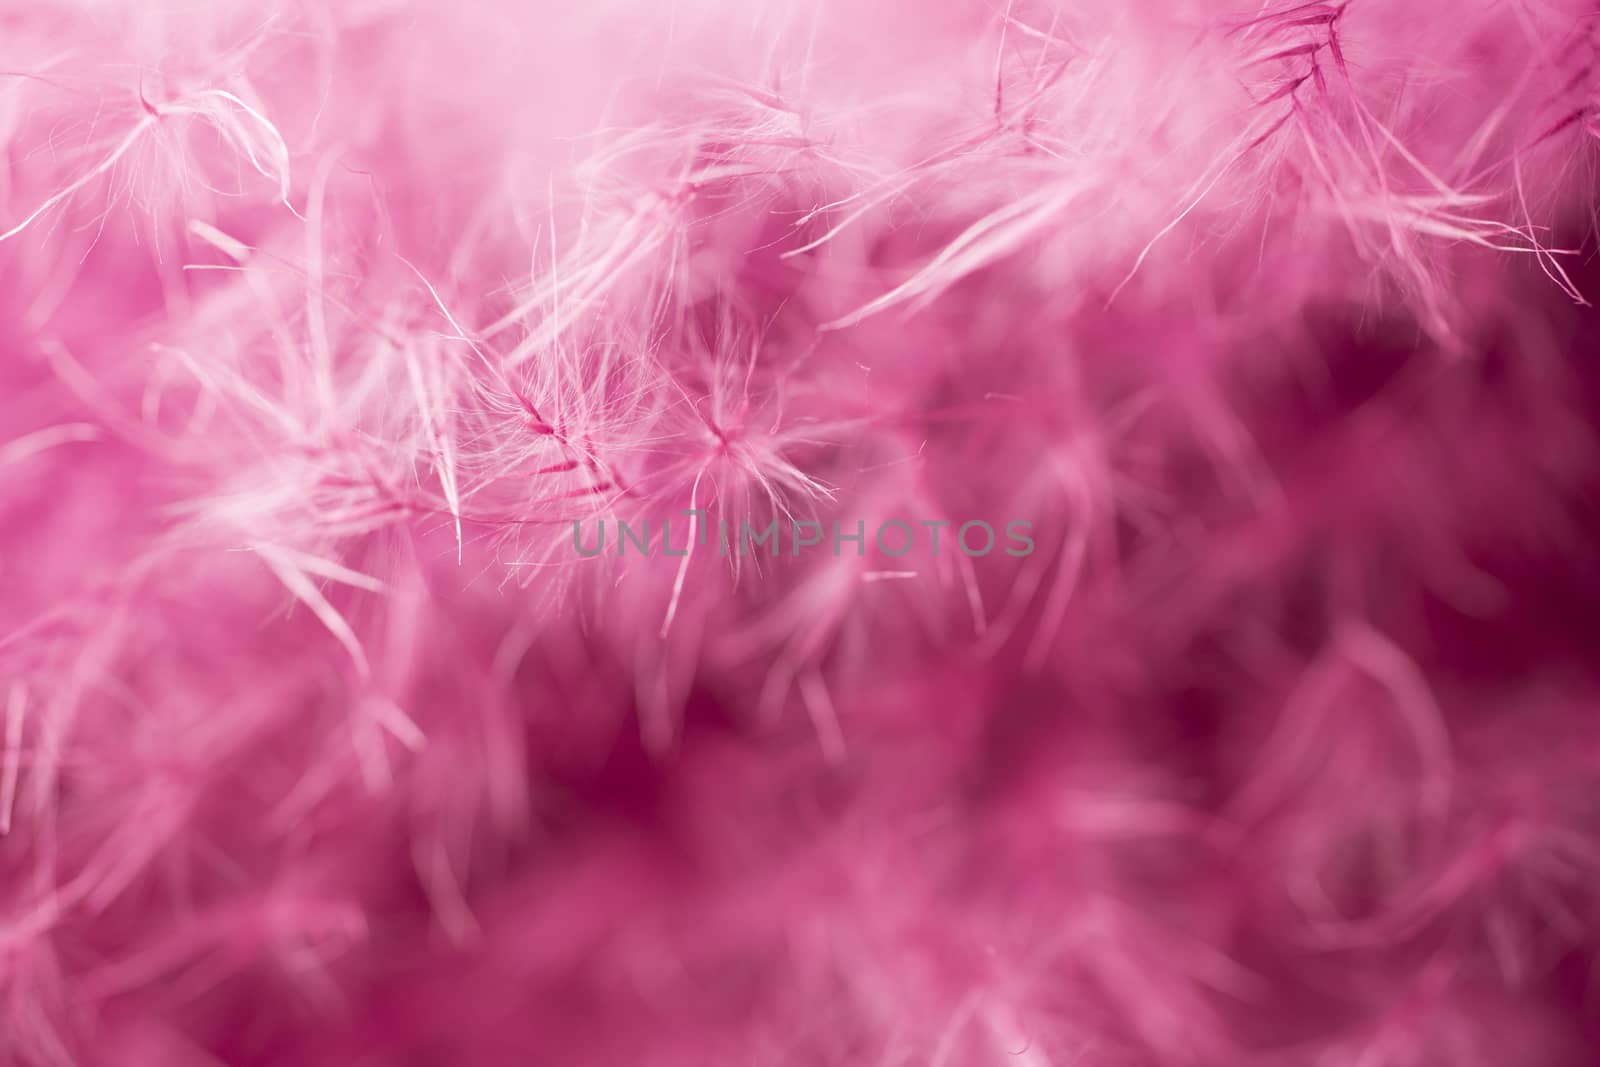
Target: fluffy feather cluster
331,335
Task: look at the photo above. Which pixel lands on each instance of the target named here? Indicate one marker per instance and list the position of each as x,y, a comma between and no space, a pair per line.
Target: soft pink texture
320,325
